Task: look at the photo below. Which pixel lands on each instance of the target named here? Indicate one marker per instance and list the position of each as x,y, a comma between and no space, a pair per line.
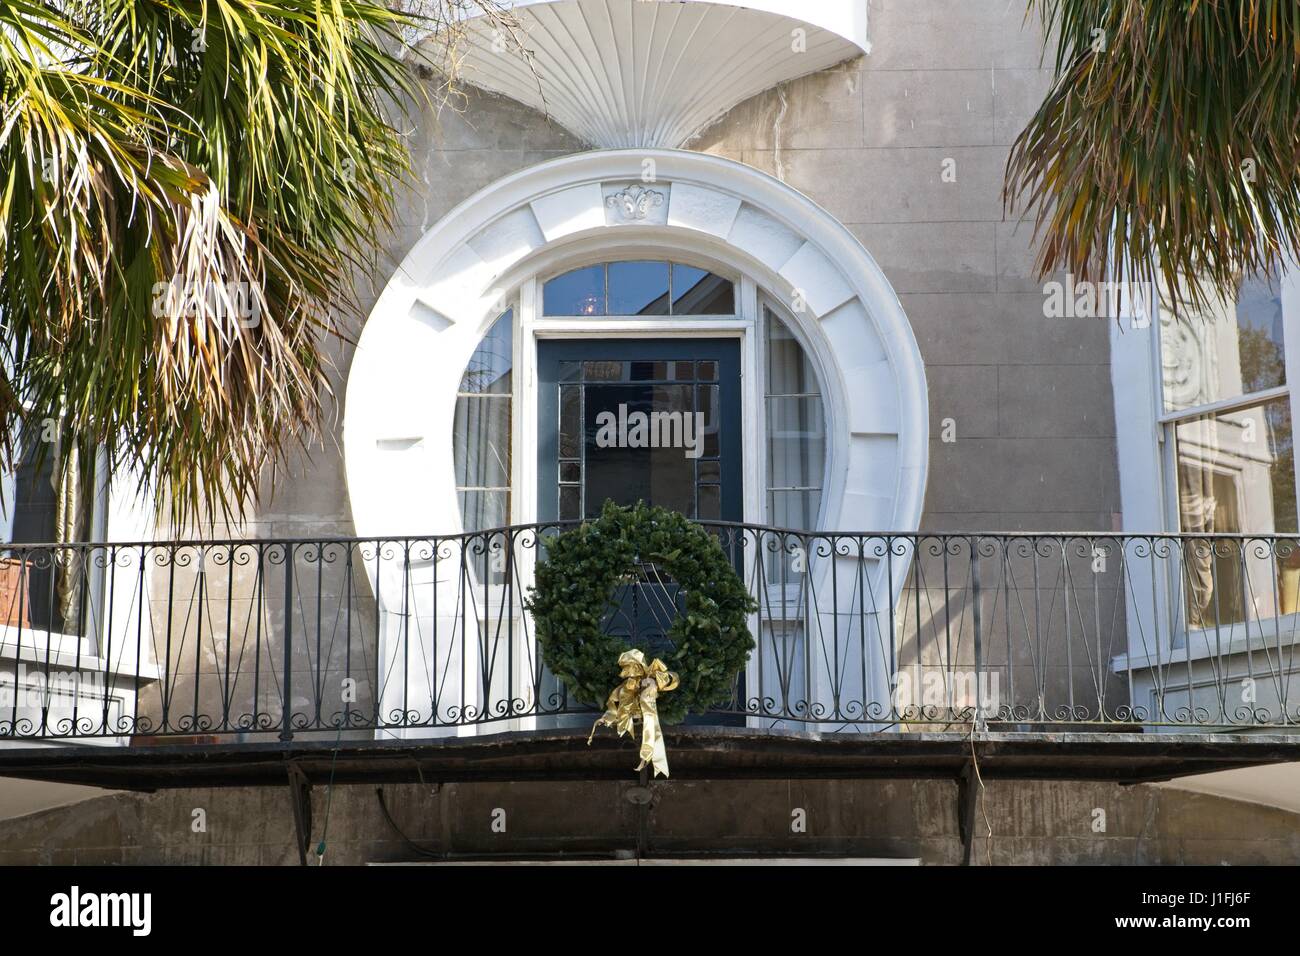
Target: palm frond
191,189
1169,144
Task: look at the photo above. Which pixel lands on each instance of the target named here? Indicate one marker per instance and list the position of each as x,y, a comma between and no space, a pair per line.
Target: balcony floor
695,753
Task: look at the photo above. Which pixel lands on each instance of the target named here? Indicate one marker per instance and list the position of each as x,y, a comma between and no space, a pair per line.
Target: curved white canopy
655,73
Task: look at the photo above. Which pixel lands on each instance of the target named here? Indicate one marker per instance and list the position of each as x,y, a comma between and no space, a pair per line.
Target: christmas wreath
574,595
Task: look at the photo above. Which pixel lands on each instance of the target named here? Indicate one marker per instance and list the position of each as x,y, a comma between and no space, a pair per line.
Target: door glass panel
709,407
710,503
570,422
634,452
646,433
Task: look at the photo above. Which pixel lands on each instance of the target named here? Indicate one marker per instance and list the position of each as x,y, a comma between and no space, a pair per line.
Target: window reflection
1235,465
697,292
580,292
1236,475
1227,350
638,288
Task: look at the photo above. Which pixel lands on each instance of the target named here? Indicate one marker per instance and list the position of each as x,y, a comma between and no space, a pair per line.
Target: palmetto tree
1169,144
189,190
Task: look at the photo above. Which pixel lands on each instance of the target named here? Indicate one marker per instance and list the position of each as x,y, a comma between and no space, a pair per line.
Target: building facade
777,232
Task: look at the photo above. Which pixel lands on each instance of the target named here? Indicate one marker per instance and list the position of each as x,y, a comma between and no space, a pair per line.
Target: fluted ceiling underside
632,73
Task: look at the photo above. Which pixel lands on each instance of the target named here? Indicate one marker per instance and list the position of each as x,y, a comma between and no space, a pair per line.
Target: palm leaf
1169,144
191,191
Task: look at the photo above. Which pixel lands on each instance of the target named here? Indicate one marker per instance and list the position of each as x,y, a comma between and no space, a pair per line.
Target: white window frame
747,325
1147,456
66,648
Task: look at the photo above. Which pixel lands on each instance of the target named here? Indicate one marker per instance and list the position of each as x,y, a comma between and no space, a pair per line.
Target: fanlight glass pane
639,287
697,292
580,292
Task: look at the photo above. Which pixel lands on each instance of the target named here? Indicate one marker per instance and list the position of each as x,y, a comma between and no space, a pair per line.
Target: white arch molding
401,390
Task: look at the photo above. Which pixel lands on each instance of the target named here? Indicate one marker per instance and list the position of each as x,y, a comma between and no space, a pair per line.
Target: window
50,589
791,409
1227,417
796,430
638,288
482,434
674,393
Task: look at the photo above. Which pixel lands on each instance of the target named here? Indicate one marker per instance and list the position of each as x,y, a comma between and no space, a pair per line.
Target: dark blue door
639,420
632,420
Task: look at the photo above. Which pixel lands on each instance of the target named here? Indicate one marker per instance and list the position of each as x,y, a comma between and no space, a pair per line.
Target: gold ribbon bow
636,698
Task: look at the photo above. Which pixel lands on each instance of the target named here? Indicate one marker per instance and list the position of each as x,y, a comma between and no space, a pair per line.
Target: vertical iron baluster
949,665
228,686
1069,630
346,716
139,636
198,643
509,612
433,669
406,633
808,599
862,624
1100,682
107,656
977,620
286,727
171,604
837,671
319,682
82,631
259,608
1003,545
47,697
381,664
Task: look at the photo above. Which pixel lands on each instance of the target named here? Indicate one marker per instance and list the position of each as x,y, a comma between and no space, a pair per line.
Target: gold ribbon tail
637,698
653,750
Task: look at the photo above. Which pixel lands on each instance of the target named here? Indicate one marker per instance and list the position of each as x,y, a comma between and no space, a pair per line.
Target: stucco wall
1031,823
1022,438
1028,397
1022,422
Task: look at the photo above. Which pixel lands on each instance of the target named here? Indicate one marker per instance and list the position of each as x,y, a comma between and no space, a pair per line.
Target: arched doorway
613,287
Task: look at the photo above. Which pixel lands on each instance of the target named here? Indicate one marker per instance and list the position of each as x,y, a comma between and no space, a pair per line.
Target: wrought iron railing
414,637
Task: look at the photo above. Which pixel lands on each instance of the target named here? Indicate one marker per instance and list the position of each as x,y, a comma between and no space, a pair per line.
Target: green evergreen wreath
574,588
